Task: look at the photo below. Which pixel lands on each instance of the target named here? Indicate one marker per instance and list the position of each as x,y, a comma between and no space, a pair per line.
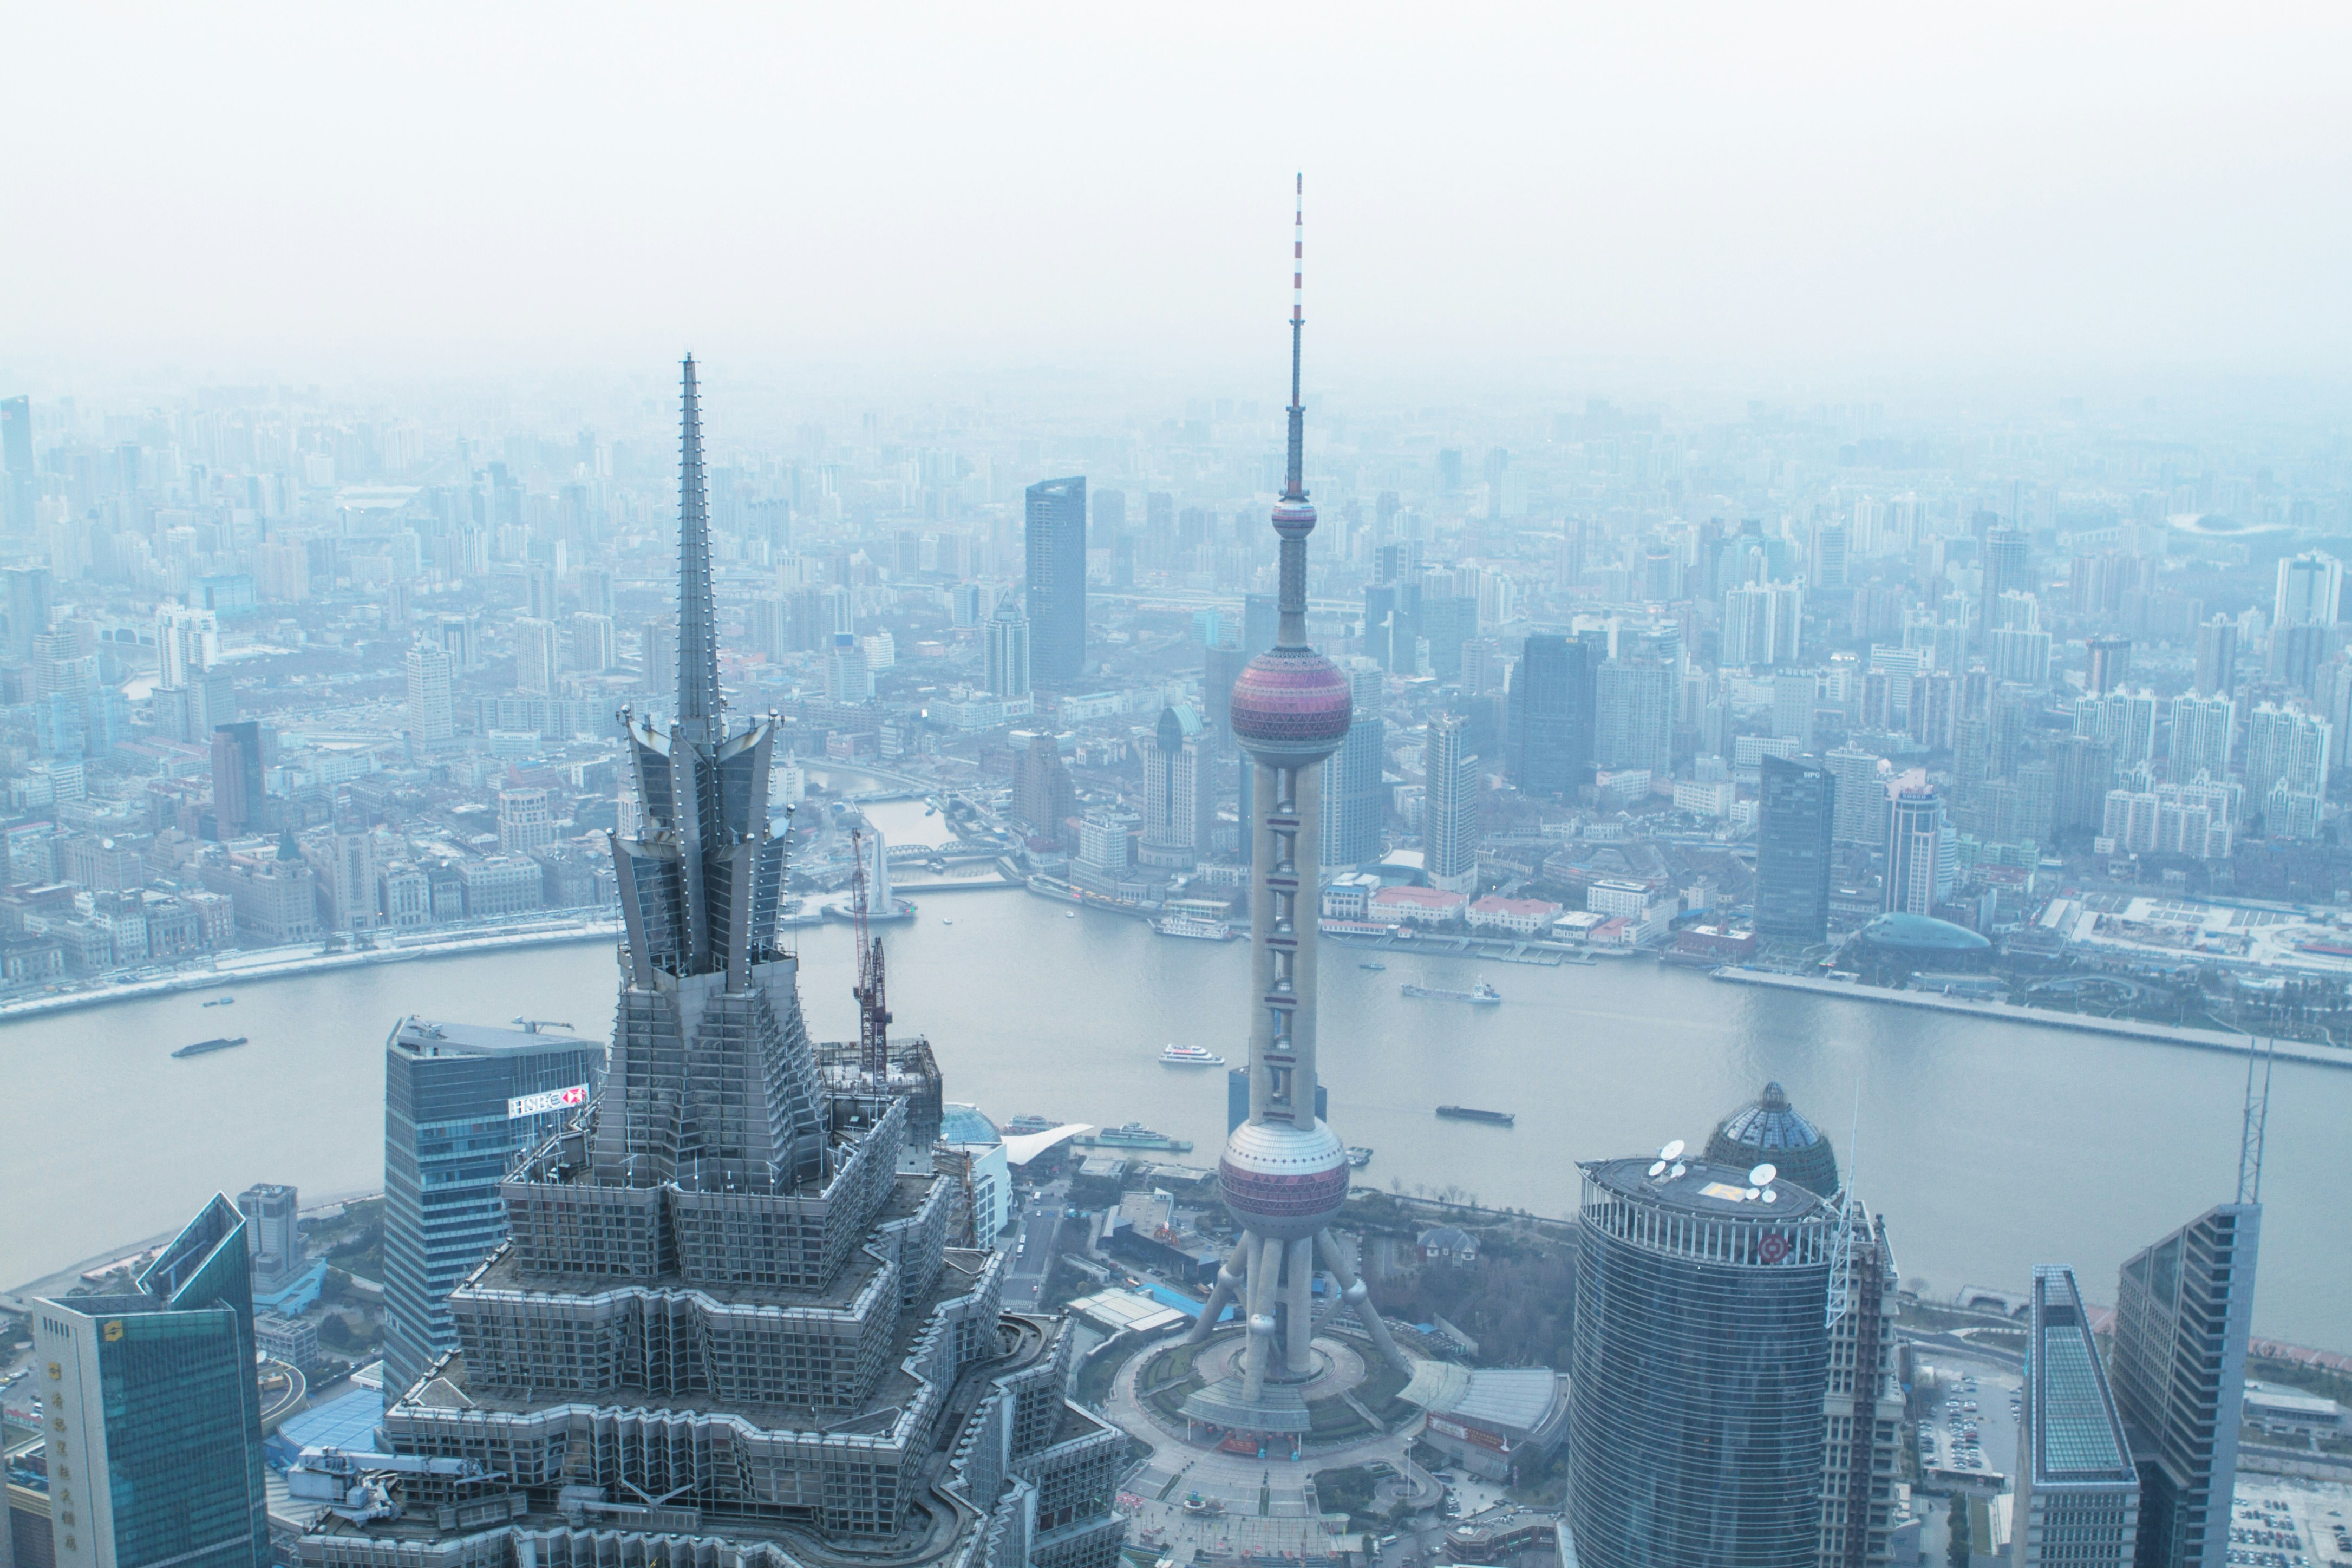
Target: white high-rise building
2202,731
595,646
1452,835
1007,651
536,663
2310,590
187,643
432,712
1860,813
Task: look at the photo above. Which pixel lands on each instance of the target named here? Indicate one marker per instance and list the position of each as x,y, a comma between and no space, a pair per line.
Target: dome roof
1769,1131
1922,933
1291,704
966,1124
1283,1180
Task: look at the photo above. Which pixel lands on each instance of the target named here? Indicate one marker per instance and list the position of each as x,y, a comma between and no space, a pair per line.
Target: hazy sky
329,190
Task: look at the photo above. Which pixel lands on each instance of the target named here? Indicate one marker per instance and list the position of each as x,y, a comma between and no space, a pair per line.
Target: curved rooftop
1769,1131
965,1124
1922,933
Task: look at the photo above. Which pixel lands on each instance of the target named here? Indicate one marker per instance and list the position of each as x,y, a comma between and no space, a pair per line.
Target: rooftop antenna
1841,1295
2258,1115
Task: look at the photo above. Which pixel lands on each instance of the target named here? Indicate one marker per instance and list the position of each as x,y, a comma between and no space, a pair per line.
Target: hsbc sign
552,1100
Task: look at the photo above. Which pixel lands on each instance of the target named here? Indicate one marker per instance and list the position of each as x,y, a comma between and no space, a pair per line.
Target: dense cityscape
1377,741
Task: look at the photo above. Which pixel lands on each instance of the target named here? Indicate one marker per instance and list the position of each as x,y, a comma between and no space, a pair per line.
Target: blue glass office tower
1793,845
152,1413
1056,545
1355,802
460,1102
2184,1312
1550,750
1700,1359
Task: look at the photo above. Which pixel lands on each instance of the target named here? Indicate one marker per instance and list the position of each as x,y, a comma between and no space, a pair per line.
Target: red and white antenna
1298,256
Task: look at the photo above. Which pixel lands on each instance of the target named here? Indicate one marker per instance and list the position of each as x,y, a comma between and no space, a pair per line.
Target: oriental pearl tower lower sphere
1284,1172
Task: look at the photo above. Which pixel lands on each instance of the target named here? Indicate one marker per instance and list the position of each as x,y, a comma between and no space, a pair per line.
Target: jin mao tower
726,1328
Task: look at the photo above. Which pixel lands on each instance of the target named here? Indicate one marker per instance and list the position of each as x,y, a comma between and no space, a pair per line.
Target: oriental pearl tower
1284,1172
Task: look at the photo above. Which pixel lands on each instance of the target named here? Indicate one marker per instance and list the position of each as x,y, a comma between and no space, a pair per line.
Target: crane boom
873,1010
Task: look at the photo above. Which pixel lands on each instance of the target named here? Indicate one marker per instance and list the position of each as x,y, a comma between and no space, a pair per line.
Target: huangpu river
1988,1146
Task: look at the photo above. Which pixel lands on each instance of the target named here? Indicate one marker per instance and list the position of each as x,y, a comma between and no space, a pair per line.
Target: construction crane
873,1011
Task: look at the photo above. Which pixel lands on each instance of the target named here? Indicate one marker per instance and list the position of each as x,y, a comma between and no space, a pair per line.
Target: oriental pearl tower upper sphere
1291,706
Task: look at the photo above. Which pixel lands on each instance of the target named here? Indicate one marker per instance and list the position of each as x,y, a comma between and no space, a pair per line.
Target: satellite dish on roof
1672,1151
1762,1175
1657,1167
1772,1194
1754,1193
1679,1168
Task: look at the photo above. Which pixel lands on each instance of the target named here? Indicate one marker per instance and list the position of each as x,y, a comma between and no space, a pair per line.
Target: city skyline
1818,562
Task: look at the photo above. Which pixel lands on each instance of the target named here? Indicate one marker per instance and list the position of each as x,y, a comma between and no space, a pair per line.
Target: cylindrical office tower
1699,1361
1284,1175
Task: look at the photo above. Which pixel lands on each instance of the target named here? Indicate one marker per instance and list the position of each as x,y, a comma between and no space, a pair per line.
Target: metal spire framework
1284,1172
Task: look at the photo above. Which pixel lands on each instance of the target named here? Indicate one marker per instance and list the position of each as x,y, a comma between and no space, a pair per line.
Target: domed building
1922,941
1768,1131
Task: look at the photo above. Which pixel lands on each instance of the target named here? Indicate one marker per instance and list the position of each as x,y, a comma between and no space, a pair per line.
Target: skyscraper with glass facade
460,1102
1793,833
1355,801
2077,1497
1057,548
1700,1359
1449,825
2184,1308
1550,750
152,1412
1922,857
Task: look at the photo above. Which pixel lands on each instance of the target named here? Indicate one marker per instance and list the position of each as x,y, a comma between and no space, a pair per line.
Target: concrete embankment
2038,1017
232,969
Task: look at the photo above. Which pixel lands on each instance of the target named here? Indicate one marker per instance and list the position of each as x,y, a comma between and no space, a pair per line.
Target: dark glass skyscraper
153,1414
2184,1308
238,798
1550,750
1794,827
1700,1359
459,1102
1057,540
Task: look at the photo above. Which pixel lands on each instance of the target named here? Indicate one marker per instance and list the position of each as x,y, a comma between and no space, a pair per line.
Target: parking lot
1972,1431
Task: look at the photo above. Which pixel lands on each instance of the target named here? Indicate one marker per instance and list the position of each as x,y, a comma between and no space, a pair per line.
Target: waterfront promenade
2081,1022
311,958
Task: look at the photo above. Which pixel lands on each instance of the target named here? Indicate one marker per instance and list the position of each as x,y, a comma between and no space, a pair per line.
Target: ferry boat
1359,1156
1193,926
204,1048
1481,994
1135,1135
1021,1124
1469,1113
222,1002
1191,1057
1374,964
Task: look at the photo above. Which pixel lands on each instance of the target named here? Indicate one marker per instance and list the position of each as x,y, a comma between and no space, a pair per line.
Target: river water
1990,1146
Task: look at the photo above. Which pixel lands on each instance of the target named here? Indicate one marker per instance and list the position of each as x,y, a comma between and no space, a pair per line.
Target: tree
1957,1553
